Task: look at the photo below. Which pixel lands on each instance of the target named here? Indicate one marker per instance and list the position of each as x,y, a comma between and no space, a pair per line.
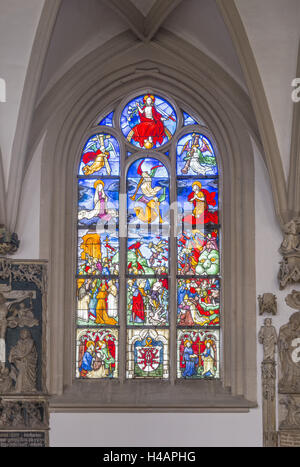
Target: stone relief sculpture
23,414
267,304
292,419
23,357
289,353
293,299
289,271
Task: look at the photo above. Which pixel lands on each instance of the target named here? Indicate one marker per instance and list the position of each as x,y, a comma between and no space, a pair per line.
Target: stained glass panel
147,301
97,353
148,255
198,253
97,301
98,201
147,353
198,302
97,253
195,156
100,156
148,121
108,120
197,201
197,354
188,120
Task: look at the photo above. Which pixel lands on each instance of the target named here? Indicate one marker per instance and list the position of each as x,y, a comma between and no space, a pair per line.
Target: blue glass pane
188,120
108,120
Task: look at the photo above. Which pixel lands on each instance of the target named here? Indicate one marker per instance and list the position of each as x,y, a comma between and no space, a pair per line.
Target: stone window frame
66,133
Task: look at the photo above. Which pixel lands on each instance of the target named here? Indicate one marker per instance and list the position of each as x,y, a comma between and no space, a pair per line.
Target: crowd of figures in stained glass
142,139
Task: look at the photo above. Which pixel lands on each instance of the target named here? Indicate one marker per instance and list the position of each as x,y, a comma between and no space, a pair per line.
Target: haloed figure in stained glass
201,199
150,129
100,205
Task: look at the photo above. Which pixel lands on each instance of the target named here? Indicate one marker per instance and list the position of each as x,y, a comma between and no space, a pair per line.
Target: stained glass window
168,173
97,282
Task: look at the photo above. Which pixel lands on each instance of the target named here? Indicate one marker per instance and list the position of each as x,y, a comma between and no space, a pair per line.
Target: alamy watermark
2,90
296,92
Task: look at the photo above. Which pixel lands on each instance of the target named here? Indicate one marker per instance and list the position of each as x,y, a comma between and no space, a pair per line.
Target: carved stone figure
292,419
6,381
268,337
293,299
9,242
11,317
289,350
291,241
24,358
267,304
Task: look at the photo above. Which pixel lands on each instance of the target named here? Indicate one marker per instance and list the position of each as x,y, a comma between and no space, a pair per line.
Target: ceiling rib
144,28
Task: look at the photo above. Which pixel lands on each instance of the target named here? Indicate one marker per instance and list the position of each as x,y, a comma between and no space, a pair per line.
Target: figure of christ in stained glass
97,301
97,353
198,253
101,156
148,353
147,255
200,197
197,354
148,195
195,156
98,201
98,254
198,302
148,121
147,301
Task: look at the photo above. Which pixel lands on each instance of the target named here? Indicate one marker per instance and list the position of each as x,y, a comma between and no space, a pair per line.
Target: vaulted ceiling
40,40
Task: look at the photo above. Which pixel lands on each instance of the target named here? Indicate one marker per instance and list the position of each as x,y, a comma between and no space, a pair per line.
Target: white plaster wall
273,29
18,23
28,225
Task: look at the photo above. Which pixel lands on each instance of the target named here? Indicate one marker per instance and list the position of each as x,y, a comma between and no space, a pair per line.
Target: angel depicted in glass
100,156
145,122
195,156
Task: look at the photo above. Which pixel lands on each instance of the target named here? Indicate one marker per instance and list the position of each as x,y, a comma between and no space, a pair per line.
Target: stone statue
23,356
288,345
12,314
268,337
267,304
